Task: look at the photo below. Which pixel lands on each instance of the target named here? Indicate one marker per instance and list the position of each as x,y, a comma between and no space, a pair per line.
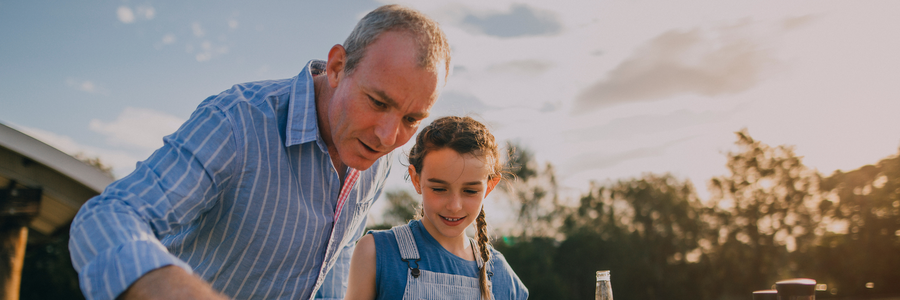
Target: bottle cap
765,295
603,275
796,287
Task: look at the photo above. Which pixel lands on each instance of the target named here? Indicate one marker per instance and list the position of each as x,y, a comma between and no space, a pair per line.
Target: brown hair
433,45
465,136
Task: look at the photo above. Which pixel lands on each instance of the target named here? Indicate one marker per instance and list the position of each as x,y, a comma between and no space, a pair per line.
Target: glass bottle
604,289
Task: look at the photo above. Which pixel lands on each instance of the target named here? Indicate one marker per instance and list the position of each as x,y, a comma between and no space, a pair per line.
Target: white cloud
168,39
518,21
86,86
233,24
710,63
208,51
140,128
145,11
125,14
203,56
197,29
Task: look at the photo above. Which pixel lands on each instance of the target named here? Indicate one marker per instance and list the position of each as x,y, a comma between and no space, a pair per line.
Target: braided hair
465,136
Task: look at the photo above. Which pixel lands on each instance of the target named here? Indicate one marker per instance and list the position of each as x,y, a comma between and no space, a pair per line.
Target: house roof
66,181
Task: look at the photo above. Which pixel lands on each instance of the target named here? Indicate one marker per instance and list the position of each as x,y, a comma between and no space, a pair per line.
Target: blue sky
604,90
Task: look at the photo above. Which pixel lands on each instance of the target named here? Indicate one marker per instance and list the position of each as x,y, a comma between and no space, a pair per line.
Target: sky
602,90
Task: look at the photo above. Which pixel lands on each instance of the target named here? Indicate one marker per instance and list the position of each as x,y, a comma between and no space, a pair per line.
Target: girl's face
453,187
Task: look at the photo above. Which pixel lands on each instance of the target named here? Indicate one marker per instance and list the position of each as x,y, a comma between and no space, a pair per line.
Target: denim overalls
423,284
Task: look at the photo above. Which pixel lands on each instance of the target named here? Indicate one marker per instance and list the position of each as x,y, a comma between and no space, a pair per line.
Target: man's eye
412,121
377,103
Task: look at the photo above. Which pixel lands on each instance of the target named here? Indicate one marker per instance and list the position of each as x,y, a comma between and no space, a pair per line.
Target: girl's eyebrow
435,180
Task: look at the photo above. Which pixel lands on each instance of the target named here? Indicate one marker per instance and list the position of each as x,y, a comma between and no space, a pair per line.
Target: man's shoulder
253,92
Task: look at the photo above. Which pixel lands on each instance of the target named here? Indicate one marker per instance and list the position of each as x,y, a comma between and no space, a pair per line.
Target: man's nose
387,130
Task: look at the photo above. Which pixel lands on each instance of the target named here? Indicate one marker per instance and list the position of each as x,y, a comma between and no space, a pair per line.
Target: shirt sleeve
336,281
115,237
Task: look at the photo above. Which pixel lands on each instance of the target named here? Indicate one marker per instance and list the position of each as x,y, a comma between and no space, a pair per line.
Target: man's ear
334,68
415,179
492,183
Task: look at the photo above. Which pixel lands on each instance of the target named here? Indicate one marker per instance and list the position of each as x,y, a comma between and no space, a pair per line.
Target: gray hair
430,39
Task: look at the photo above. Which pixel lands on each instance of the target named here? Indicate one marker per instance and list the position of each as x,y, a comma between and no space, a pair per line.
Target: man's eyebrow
385,98
390,102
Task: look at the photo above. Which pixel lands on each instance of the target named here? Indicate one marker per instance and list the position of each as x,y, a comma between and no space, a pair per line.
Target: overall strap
408,251
406,241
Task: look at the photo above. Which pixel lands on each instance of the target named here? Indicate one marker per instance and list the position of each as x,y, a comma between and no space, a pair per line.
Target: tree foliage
769,218
401,208
534,193
96,163
765,209
862,242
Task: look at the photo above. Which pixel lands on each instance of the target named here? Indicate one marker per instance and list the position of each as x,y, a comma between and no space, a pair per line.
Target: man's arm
170,282
115,237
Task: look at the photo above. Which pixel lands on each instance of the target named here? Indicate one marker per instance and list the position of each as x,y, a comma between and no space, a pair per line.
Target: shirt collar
302,124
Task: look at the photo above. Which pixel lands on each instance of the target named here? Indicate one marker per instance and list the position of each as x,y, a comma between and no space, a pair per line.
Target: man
263,192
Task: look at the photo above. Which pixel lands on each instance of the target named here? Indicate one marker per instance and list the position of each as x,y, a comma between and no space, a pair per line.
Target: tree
401,208
96,163
534,192
766,209
644,230
864,213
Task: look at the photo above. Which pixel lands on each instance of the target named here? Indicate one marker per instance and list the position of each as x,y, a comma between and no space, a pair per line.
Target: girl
454,165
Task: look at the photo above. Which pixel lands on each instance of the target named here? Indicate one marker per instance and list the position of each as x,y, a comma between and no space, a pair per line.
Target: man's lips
370,150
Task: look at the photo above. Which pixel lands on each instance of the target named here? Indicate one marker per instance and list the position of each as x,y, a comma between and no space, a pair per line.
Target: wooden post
16,257
18,206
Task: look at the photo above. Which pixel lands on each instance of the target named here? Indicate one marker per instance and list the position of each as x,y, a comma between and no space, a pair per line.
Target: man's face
379,106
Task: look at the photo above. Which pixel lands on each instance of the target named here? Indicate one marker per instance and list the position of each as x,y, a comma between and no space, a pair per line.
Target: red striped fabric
345,192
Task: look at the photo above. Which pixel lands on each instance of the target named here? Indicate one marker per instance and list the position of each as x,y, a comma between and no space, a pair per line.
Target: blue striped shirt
242,195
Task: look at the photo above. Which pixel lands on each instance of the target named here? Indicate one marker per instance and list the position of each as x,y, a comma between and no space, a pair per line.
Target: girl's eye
471,192
438,189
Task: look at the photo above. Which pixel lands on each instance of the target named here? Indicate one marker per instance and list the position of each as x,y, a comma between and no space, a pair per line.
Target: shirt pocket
360,211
